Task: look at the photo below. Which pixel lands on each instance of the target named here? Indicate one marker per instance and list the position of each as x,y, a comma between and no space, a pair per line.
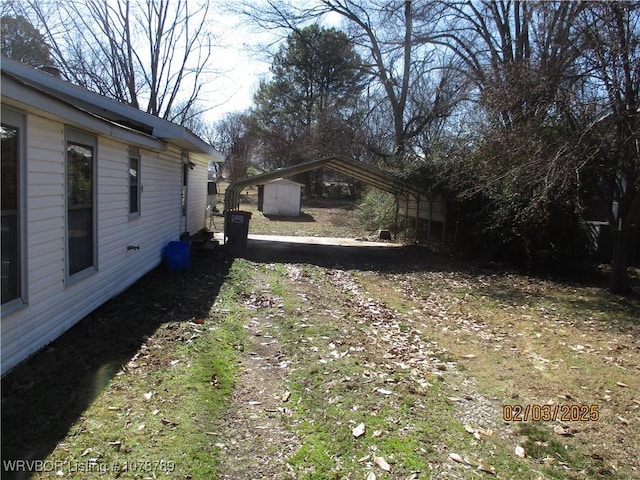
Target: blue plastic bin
178,255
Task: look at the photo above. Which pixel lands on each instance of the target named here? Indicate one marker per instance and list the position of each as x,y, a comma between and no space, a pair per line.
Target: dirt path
259,431
257,441
385,339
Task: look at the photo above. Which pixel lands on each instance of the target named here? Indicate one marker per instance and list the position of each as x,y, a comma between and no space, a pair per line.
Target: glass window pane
133,185
79,206
79,174
10,268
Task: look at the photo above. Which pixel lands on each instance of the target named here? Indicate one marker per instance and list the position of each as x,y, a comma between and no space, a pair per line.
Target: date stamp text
550,413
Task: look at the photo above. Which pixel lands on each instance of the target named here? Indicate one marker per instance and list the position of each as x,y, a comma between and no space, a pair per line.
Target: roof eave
112,109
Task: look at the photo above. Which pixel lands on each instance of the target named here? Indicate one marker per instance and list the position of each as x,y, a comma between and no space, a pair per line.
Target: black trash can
236,228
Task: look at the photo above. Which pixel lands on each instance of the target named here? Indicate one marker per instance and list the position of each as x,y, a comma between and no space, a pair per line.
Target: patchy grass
319,217
89,409
157,416
240,369
525,341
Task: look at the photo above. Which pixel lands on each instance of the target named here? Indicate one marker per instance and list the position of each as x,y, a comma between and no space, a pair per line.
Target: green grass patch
157,417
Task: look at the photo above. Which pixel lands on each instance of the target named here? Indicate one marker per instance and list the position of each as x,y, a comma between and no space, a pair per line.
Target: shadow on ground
303,217
44,397
364,256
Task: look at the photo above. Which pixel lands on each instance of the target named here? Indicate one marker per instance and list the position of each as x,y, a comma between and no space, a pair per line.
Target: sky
241,68
238,68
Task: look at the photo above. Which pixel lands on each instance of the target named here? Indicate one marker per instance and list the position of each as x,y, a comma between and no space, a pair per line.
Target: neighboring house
280,197
92,192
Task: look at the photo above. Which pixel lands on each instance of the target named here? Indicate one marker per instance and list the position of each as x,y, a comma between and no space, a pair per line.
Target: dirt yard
336,362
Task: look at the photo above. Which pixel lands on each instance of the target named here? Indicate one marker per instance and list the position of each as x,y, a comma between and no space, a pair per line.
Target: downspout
184,191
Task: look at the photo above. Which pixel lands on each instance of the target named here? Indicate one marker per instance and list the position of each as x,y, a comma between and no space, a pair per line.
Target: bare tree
149,54
233,139
612,56
390,37
523,60
519,54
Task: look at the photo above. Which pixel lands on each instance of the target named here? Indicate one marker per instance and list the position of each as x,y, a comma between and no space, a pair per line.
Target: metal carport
342,164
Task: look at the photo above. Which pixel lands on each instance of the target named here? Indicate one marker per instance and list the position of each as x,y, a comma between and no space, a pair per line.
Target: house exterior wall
54,304
197,194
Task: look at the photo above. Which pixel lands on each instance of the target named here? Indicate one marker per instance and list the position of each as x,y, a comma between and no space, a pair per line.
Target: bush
376,210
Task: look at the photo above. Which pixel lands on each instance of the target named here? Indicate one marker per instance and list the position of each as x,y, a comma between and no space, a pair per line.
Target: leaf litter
411,360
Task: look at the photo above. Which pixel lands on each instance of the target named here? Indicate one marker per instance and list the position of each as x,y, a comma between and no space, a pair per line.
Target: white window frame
75,135
16,118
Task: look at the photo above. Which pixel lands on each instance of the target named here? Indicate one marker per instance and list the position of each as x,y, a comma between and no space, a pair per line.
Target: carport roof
342,164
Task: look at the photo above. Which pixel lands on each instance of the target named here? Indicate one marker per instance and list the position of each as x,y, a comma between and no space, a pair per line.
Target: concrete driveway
324,251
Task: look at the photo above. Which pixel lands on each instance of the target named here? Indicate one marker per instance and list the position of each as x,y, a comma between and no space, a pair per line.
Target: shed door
286,200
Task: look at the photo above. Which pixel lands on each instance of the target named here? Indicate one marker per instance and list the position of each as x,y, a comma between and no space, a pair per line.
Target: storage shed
280,197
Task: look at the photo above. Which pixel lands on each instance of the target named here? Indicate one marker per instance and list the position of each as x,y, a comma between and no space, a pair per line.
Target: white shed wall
281,198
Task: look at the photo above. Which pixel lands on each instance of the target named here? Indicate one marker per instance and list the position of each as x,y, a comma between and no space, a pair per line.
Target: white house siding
197,193
53,305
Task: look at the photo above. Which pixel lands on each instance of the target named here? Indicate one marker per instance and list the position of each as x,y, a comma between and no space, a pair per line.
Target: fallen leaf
141,426
456,458
520,452
148,395
620,384
478,433
382,463
168,422
383,391
285,396
623,420
371,476
376,433
487,468
469,356
561,430
472,462
358,430
198,321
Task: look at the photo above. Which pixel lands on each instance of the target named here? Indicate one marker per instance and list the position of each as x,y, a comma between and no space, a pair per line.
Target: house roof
342,164
108,109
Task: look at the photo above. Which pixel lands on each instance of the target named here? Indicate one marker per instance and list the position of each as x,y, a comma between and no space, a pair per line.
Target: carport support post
395,230
429,224
224,234
415,235
444,220
406,215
